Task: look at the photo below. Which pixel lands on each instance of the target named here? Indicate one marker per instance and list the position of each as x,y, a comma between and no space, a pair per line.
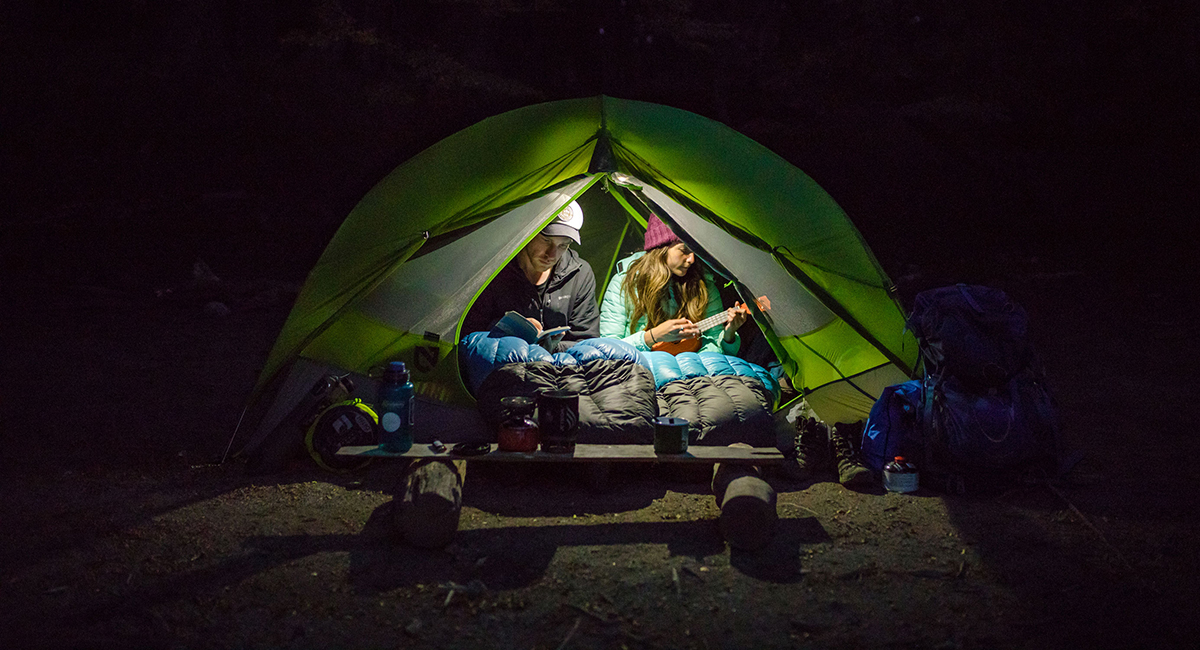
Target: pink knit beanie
658,234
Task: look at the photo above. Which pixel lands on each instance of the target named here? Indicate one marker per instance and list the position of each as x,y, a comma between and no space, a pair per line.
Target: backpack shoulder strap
935,445
928,423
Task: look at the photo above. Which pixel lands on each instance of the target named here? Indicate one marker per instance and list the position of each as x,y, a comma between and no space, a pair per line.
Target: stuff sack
973,441
893,427
350,423
972,333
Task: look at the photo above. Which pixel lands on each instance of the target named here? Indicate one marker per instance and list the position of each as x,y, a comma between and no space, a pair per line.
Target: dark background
141,135
1047,148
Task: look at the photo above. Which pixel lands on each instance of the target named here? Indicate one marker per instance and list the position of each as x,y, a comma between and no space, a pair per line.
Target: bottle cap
396,371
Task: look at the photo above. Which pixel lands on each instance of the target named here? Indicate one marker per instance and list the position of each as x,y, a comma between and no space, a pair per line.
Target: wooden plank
590,453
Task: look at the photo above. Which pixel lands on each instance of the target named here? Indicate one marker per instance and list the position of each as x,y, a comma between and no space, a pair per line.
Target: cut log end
430,502
748,506
748,513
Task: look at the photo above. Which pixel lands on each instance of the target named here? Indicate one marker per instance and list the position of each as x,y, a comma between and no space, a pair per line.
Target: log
429,502
747,503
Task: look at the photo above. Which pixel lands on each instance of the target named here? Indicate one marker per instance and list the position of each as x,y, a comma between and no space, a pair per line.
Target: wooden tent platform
587,453
430,498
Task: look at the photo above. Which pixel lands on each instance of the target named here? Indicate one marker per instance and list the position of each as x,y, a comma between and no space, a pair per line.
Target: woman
659,295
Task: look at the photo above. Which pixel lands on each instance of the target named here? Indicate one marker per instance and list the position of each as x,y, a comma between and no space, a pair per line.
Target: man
547,283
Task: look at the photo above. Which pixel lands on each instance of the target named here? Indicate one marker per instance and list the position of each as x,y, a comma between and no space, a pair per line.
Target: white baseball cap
567,223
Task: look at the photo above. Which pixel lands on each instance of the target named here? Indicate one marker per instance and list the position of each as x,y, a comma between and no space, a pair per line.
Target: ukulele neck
723,317
712,321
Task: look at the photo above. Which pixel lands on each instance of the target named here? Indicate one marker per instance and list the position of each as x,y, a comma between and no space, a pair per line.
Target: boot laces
843,444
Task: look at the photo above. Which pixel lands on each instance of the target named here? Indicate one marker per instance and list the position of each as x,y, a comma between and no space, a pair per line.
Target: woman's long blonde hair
647,285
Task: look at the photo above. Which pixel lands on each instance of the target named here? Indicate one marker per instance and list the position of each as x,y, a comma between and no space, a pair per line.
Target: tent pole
833,306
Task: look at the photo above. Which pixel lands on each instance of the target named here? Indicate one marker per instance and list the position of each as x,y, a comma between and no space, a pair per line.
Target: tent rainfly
414,254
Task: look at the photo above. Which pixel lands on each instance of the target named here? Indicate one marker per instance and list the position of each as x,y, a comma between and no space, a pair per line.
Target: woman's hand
536,323
736,318
671,331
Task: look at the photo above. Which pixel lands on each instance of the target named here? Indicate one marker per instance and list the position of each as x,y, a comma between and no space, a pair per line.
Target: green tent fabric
412,256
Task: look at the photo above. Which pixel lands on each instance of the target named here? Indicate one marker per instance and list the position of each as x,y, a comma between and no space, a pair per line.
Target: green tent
413,255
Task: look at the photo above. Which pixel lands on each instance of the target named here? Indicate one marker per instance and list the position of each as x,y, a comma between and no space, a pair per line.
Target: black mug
670,435
558,420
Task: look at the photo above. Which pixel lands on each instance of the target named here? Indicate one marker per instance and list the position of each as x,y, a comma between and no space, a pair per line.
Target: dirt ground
121,529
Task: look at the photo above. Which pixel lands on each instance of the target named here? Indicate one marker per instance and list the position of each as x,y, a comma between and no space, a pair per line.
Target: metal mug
670,435
558,420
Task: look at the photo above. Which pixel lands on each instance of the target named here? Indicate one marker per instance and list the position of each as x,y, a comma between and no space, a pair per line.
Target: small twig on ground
1089,524
847,524
814,512
675,579
584,610
570,634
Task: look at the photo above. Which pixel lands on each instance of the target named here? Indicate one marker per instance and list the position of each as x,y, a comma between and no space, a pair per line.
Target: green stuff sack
348,423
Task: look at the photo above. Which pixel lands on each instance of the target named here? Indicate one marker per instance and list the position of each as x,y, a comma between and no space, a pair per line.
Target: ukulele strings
717,319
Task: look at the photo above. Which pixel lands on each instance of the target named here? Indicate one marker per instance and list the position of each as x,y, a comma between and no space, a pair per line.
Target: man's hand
552,342
536,323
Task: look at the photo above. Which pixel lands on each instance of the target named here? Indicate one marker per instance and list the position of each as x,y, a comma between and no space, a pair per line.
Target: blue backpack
972,333
894,426
982,413
991,437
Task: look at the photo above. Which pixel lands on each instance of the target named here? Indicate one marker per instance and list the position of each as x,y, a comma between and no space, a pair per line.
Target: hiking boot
851,471
812,438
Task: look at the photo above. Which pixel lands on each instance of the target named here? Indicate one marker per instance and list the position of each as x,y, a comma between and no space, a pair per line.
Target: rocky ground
122,528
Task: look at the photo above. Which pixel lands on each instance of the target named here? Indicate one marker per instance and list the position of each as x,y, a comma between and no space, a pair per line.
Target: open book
514,324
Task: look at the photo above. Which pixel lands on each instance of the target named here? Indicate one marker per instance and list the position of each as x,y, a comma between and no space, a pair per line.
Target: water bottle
900,476
395,401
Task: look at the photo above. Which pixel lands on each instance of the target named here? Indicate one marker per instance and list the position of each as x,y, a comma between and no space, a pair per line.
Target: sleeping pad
621,390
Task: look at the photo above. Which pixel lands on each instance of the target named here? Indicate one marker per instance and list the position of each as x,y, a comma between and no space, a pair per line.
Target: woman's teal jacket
614,318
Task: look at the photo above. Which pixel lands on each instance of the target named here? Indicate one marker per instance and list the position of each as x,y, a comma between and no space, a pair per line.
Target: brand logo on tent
425,357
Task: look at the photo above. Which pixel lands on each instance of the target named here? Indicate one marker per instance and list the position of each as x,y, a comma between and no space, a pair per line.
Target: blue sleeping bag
726,399
482,353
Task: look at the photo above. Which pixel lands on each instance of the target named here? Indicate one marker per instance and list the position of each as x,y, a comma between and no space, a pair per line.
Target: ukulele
691,345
